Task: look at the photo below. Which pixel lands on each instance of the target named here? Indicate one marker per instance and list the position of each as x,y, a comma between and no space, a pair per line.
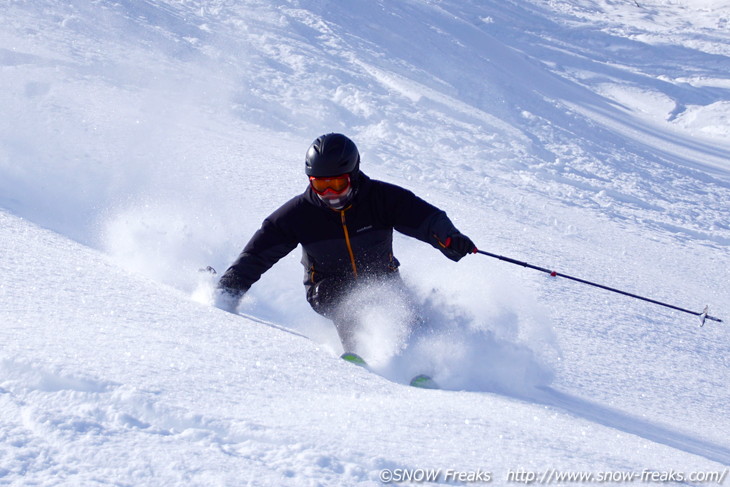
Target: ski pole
703,315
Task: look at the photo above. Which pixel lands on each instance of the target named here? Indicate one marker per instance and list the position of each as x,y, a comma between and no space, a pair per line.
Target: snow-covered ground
143,140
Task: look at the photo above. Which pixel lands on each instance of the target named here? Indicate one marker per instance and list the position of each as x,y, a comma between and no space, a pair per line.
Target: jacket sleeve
417,218
267,246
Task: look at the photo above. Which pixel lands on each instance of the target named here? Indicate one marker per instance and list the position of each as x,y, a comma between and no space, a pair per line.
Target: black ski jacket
342,245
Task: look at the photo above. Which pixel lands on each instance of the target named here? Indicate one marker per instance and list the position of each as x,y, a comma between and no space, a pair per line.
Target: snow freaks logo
419,475
553,476
549,476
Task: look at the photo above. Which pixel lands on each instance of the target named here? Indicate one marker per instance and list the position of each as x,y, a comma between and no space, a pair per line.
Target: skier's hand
323,296
457,246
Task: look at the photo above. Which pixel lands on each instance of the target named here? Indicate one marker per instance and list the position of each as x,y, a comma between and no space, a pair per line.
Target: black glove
325,295
457,246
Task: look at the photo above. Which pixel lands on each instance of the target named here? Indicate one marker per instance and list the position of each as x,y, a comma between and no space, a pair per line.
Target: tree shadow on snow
613,418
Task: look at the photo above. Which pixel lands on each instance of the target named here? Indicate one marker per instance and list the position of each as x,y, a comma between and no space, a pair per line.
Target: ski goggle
336,184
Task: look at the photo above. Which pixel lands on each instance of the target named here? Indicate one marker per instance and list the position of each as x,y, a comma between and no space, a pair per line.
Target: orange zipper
347,242
311,273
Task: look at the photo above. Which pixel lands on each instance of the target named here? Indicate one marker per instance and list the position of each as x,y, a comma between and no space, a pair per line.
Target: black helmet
332,155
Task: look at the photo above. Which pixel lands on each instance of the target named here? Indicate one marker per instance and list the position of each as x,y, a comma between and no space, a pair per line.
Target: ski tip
353,358
424,381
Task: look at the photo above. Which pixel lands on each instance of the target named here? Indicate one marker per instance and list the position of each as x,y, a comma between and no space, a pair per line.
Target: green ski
421,381
354,358
424,382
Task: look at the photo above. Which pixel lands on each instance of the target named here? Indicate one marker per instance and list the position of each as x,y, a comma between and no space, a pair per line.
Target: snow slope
143,140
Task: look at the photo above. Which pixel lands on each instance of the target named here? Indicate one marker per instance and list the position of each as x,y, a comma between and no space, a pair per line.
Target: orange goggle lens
336,184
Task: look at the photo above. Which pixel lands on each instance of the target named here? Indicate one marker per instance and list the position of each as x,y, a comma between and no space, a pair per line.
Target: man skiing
344,222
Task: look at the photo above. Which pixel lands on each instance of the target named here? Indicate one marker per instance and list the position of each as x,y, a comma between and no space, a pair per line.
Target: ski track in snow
588,135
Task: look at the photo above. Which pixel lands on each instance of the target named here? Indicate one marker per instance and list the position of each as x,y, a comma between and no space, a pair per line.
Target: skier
344,222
